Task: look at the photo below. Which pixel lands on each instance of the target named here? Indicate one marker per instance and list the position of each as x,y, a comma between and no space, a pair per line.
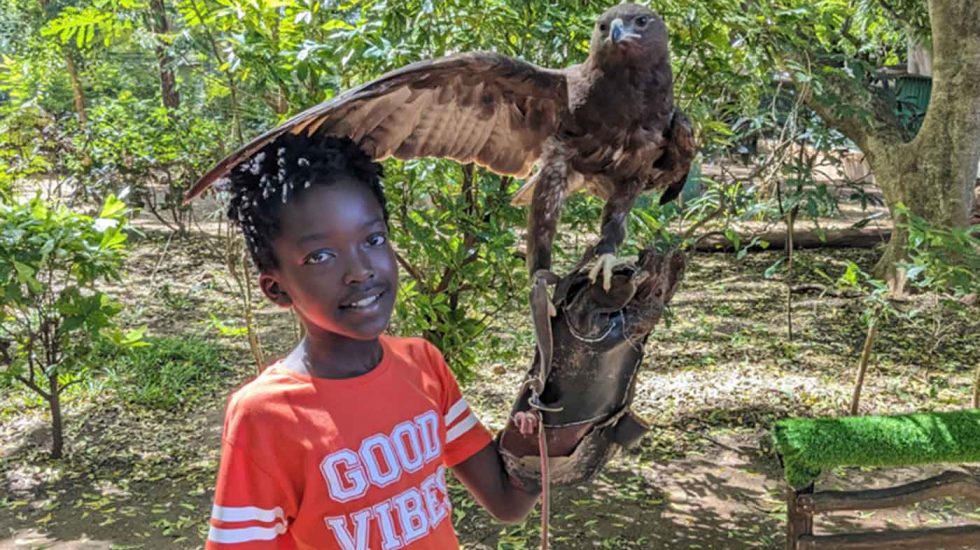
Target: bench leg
798,521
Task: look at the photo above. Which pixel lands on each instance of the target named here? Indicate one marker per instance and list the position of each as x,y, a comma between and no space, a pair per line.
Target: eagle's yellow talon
604,263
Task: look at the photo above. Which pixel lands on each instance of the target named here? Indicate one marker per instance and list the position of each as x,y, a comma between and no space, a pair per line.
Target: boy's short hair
280,172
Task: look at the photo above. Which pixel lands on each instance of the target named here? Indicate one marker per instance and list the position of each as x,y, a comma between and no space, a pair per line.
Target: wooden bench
808,446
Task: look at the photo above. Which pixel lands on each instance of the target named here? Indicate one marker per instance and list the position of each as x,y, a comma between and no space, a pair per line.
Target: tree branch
850,104
33,386
880,125
890,9
414,273
722,205
70,383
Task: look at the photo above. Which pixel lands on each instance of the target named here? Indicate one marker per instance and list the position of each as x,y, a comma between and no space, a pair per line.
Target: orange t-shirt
350,464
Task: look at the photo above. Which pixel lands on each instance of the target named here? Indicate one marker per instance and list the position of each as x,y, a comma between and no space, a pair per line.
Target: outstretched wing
672,167
476,107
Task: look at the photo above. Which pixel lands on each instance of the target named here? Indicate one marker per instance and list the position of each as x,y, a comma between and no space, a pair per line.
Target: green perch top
810,445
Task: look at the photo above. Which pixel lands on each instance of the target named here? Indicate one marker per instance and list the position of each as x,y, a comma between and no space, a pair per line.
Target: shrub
51,260
944,260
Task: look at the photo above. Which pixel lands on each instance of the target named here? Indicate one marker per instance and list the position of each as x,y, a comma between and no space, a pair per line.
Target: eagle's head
630,34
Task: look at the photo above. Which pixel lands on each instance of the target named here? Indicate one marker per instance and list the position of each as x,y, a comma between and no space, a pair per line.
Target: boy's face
336,267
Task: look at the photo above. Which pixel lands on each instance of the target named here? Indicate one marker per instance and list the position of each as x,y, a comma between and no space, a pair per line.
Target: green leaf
774,268
850,276
226,330
112,208
25,273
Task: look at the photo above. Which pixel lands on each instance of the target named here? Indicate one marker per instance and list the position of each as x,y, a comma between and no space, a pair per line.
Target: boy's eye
318,257
377,239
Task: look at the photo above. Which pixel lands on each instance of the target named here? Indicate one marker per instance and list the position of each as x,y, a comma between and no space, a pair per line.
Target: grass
167,373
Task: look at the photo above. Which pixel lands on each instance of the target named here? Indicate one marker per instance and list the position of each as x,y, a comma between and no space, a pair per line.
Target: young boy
344,442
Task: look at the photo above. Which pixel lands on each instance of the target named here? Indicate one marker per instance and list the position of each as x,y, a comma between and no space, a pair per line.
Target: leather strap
545,482
542,310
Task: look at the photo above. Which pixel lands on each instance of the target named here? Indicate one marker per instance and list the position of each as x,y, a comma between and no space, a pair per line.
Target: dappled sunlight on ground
714,380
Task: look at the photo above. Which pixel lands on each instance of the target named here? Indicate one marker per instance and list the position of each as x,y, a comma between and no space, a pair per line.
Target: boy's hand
526,422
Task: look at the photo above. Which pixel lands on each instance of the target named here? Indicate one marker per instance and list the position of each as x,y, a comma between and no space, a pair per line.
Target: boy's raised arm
472,454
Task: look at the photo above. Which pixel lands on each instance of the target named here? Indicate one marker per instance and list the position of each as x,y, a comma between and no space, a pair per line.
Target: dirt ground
714,381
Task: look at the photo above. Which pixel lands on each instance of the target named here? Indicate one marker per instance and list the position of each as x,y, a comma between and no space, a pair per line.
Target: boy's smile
336,267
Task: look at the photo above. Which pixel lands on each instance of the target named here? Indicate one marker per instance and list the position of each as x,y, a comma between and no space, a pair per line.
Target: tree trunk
77,92
160,25
976,390
790,222
934,179
934,174
57,434
869,341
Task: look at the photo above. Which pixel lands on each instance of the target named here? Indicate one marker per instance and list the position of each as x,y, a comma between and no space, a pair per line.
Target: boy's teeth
365,302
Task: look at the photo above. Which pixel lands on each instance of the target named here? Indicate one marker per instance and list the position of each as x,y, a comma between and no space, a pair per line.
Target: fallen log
866,237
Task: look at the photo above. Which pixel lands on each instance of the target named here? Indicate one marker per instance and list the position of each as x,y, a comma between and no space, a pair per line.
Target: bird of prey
608,125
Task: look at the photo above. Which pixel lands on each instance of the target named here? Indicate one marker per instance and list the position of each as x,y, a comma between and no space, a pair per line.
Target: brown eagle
608,125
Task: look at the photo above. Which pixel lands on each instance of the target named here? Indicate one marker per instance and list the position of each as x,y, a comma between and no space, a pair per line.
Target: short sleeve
465,434
251,510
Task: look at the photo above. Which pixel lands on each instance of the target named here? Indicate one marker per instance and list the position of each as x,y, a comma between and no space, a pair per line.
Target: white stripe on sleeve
245,534
461,428
456,410
246,513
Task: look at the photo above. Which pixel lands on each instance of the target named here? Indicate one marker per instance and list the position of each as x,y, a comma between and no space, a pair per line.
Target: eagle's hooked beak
618,32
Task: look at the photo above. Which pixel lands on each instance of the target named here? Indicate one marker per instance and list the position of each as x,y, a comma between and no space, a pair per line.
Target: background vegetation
124,311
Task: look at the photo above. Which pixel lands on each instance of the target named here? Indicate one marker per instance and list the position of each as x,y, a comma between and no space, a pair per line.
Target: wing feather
477,107
674,165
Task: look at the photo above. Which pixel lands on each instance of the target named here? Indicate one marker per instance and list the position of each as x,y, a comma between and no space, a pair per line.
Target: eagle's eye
642,21
603,27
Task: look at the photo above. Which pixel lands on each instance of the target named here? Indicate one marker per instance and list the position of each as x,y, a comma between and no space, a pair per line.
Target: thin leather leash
542,310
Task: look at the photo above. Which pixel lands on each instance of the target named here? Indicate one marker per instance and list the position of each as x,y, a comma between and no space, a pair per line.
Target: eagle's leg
549,194
612,234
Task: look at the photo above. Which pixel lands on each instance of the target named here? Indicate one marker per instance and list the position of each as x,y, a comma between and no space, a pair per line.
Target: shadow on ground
128,481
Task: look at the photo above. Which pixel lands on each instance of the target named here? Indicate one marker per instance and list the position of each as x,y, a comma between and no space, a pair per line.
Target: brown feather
674,165
476,107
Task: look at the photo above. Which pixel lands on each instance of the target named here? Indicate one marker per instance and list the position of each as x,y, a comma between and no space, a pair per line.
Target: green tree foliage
467,277
154,151
240,67
942,260
834,51
51,260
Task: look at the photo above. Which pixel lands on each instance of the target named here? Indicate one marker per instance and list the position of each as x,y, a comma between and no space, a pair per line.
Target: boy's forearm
487,479
519,501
